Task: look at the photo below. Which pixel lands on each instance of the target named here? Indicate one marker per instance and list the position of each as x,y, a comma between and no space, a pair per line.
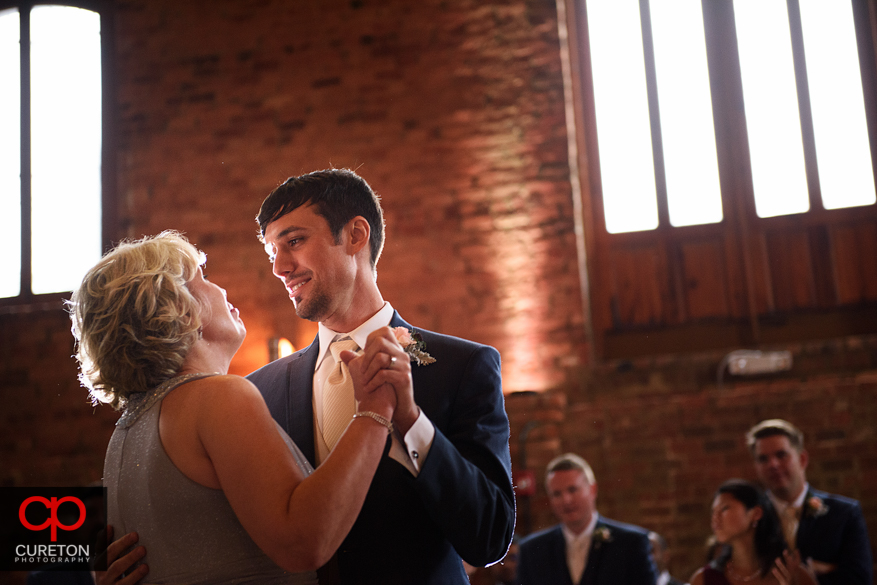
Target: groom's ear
357,234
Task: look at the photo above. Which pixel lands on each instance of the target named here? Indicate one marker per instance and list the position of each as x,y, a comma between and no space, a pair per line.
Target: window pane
10,154
843,154
688,136
65,145
621,103
770,99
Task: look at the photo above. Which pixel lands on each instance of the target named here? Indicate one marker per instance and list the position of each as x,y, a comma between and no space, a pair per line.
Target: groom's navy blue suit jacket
839,537
623,558
415,530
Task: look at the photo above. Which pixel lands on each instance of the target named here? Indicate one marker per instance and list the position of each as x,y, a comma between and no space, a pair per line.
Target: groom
443,489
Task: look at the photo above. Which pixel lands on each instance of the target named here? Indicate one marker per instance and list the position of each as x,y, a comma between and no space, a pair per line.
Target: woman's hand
786,568
382,375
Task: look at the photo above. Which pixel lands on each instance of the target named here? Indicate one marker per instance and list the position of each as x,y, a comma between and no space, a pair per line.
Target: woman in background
216,491
754,551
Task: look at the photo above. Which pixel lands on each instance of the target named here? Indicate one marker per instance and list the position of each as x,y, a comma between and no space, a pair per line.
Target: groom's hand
119,566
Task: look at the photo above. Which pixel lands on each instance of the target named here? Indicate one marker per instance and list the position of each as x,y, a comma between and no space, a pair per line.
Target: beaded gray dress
190,532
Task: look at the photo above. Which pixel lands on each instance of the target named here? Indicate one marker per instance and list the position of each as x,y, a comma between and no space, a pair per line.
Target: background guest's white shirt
781,505
412,450
578,548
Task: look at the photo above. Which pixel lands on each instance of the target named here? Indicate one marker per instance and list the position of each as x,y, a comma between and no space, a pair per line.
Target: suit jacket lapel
805,524
422,378
589,577
398,321
300,390
557,560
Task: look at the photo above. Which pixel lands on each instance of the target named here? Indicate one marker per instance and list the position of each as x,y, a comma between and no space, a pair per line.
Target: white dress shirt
578,547
410,450
781,505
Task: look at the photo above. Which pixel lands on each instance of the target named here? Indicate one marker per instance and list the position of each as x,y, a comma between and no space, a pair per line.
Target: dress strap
140,402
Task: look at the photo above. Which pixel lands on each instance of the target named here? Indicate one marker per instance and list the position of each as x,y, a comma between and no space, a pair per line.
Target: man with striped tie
827,530
443,490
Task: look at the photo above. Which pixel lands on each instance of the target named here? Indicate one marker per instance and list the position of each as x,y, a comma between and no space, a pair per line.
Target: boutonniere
815,508
601,535
413,344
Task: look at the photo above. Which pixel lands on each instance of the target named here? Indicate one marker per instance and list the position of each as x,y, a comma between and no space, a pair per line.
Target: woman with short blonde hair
141,317
214,488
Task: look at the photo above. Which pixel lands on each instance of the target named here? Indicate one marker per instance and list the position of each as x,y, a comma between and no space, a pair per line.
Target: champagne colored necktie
339,405
790,522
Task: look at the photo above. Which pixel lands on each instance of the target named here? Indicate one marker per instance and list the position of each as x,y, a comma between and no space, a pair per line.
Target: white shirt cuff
414,448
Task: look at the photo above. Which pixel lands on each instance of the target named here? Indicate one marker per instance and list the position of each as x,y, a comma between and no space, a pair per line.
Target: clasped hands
382,383
785,568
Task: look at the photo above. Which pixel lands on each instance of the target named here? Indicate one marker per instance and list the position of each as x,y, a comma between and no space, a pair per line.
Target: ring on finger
393,361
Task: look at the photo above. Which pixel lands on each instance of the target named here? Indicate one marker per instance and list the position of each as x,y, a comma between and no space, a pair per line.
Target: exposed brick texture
50,434
453,111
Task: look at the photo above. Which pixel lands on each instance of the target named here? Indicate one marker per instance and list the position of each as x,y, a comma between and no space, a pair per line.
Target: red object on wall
524,482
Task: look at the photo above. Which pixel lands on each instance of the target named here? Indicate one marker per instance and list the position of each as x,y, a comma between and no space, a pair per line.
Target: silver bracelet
377,417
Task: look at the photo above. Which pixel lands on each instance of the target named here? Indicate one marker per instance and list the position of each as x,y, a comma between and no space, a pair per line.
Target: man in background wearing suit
661,558
443,489
827,530
585,548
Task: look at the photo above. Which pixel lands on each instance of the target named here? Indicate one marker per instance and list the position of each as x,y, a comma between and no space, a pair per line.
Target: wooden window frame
750,255
27,301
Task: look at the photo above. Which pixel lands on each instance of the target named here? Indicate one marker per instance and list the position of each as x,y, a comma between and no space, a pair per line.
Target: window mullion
26,292
804,110
654,115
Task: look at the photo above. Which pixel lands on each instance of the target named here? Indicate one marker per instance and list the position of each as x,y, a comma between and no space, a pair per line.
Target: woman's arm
298,522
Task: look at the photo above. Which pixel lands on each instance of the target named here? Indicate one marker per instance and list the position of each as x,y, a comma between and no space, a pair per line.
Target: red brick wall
49,432
453,111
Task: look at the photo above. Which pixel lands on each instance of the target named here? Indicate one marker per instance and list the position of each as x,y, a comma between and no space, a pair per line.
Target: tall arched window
52,161
729,150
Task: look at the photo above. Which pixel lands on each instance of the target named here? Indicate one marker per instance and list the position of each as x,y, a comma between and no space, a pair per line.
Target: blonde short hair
571,461
134,318
773,427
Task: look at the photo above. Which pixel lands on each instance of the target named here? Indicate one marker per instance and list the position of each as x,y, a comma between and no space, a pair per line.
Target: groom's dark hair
338,194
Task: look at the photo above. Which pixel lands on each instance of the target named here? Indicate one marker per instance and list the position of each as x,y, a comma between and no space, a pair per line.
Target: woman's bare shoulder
231,387
225,381
228,398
